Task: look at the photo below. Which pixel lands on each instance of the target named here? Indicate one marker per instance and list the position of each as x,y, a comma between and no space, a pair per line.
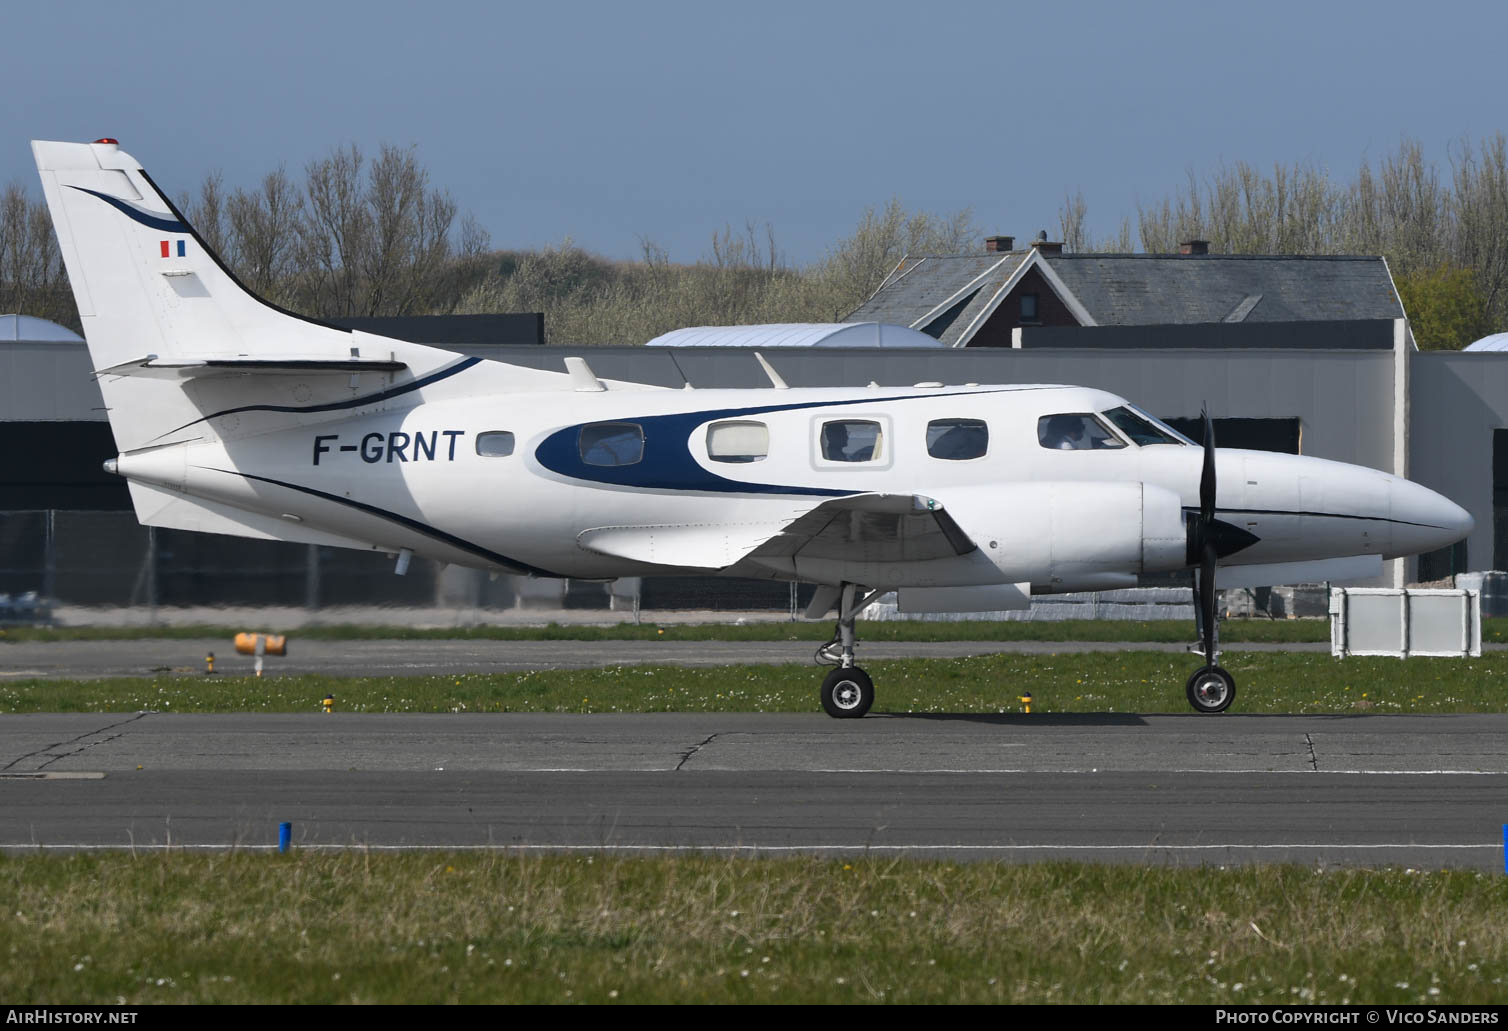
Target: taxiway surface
1344,790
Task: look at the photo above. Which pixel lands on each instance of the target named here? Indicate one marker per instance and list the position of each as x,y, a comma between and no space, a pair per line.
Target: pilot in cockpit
1079,432
1065,433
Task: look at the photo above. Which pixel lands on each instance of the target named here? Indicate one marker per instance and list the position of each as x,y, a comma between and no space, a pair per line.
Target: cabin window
738,441
1141,430
494,444
1077,431
851,440
957,440
612,443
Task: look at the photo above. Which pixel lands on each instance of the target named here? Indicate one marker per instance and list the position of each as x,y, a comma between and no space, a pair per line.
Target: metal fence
107,560
92,560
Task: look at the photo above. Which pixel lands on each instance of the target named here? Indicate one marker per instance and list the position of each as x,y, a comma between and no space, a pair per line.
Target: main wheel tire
847,694
1211,689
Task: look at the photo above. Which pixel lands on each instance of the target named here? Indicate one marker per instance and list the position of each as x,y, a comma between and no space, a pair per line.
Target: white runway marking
1308,846
58,775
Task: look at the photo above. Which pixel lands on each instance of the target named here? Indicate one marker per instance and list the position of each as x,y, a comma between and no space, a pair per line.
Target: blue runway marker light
285,834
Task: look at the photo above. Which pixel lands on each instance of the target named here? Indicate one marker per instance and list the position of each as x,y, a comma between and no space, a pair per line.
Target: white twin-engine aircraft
233,416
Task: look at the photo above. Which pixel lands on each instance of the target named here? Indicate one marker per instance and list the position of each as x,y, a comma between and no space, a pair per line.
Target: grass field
470,928
1269,682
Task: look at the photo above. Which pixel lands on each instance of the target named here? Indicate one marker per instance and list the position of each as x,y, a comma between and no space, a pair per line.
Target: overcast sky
612,122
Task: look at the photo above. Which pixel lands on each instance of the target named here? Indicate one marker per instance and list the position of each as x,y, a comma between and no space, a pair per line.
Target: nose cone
1423,520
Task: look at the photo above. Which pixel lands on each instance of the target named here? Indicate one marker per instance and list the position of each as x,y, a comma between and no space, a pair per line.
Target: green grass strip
496,928
1132,631
1145,682
1286,630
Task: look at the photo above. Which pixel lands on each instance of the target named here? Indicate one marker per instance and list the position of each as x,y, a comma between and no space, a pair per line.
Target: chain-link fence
93,565
107,560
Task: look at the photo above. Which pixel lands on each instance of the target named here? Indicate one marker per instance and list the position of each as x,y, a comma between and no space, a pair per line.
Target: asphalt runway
91,659
1356,790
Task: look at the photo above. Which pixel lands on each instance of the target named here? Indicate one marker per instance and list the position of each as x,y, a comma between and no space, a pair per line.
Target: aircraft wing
859,527
870,528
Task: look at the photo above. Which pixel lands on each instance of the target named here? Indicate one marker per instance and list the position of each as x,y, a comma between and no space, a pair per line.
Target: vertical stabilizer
148,286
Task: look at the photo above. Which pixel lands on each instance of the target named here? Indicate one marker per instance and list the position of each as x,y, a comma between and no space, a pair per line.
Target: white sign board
1404,622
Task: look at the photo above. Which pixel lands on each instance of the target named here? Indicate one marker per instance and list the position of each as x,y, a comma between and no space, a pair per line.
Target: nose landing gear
1211,689
847,692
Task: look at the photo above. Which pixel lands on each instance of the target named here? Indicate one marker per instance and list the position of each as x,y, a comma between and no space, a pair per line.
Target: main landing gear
847,692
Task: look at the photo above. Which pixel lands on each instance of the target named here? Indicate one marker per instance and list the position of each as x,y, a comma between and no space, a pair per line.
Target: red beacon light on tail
106,139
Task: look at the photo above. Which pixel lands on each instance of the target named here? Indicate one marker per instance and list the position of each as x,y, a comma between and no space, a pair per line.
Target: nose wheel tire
847,694
1211,689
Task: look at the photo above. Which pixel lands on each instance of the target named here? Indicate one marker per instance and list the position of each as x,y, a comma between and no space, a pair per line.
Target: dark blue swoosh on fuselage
668,463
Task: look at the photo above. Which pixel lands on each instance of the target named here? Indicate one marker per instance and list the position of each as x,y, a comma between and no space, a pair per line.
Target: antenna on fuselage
582,376
769,370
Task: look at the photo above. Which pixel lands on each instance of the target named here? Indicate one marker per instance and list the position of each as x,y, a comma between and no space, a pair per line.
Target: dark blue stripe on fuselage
413,524
668,463
359,402
135,214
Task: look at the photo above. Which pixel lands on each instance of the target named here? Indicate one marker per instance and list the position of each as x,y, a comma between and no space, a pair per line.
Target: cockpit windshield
1077,431
1142,428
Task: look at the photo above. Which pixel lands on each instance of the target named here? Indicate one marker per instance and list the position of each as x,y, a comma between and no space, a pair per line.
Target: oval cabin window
852,440
738,441
957,440
494,444
612,443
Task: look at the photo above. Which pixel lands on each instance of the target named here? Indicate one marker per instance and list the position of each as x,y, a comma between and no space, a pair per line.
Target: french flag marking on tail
167,248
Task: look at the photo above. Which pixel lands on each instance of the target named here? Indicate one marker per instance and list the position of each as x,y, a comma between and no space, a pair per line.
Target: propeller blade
1208,533
1207,478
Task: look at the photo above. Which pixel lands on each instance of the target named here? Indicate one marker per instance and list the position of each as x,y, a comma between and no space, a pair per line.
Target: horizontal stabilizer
182,366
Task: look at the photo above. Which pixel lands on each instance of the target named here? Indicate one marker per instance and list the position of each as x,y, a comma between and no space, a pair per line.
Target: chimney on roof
1047,248
1193,247
999,244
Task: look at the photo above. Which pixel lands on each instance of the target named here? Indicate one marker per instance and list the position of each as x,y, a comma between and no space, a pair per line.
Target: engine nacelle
1068,536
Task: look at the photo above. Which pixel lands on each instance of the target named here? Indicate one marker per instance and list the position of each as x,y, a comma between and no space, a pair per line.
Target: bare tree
1071,231
32,278
263,227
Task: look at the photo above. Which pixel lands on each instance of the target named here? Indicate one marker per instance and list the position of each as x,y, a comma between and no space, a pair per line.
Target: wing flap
709,546
871,528
856,528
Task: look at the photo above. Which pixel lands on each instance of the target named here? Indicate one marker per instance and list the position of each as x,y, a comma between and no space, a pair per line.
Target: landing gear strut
847,692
